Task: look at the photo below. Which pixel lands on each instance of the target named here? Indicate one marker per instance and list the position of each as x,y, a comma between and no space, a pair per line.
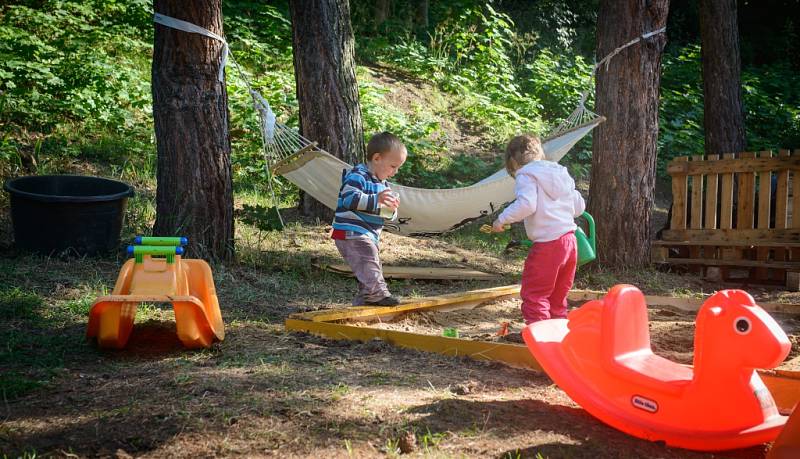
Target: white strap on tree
267,115
607,59
189,27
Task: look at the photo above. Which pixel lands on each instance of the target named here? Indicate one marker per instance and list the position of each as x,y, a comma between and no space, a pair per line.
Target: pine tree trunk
327,93
194,197
624,147
382,8
421,19
723,114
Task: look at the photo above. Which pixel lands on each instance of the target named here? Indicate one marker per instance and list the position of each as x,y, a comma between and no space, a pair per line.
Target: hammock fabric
422,211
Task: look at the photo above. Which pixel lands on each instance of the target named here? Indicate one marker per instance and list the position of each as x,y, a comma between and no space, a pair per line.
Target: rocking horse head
733,331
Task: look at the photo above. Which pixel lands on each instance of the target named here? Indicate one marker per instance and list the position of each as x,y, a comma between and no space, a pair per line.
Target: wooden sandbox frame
332,323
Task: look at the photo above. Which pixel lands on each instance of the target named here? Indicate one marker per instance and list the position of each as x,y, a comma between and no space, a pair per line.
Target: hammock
422,211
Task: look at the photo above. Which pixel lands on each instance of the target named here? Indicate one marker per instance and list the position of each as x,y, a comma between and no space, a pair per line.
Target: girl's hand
388,198
498,227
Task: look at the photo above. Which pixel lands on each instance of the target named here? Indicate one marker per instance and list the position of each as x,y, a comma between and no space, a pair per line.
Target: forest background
75,83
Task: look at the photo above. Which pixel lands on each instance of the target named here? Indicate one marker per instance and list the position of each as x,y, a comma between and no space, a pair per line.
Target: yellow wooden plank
729,165
474,298
711,197
460,300
514,355
418,272
679,190
726,197
696,220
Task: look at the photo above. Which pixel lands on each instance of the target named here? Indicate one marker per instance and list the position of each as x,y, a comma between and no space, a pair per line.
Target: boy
357,224
547,202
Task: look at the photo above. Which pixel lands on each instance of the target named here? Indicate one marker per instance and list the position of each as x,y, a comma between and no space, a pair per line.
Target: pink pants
547,277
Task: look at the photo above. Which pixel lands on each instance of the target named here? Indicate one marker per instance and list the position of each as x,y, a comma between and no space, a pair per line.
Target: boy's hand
388,198
498,227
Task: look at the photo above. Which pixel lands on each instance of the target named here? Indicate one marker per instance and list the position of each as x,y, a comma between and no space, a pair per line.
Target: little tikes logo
651,406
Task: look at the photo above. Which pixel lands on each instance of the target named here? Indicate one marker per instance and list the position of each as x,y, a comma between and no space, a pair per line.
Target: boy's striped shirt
357,208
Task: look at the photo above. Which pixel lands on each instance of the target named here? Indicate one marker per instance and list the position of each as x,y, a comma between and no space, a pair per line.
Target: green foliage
558,82
71,61
75,87
263,218
469,53
771,97
681,107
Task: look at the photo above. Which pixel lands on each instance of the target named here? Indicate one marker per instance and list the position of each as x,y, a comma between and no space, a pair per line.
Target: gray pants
362,255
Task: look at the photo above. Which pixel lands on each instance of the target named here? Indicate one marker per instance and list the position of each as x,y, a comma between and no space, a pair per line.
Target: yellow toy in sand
157,274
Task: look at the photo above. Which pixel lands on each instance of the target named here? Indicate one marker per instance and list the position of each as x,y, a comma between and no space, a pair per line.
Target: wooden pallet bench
736,212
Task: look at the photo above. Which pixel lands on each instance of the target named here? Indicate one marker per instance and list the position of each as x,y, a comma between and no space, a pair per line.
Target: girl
547,202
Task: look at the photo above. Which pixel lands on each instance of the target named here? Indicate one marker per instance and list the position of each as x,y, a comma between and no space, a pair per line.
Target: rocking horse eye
742,325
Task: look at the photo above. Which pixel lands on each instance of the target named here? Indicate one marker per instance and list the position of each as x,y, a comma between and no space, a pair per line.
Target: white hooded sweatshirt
546,200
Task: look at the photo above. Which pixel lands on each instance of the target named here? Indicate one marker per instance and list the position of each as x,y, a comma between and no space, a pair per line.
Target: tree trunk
194,197
723,113
624,147
381,13
327,93
421,19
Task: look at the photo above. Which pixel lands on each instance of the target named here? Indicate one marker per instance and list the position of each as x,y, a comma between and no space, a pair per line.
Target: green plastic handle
590,220
139,251
160,240
154,250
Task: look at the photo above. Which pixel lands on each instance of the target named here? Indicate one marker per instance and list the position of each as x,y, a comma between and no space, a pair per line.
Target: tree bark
382,8
194,197
723,114
624,147
421,19
327,93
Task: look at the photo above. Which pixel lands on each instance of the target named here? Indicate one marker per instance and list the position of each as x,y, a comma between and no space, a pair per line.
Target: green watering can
586,244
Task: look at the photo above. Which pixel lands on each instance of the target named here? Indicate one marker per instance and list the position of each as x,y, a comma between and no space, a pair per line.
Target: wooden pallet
736,211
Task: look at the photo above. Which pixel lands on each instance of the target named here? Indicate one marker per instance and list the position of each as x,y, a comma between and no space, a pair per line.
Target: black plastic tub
73,213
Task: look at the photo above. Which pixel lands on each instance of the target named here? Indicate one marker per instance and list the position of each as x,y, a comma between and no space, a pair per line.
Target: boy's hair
383,142
521,150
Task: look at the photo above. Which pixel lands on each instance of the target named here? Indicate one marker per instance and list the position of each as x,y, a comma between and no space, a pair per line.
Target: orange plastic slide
187,284
601,357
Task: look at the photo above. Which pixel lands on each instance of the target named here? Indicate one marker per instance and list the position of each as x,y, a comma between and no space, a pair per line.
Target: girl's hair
383,142
521,150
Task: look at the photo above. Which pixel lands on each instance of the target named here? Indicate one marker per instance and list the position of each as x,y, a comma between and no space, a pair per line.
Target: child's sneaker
385,301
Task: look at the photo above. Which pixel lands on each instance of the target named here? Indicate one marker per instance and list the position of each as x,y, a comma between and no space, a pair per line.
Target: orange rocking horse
601,357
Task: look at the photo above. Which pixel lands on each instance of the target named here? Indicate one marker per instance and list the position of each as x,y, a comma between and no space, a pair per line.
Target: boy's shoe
385,301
